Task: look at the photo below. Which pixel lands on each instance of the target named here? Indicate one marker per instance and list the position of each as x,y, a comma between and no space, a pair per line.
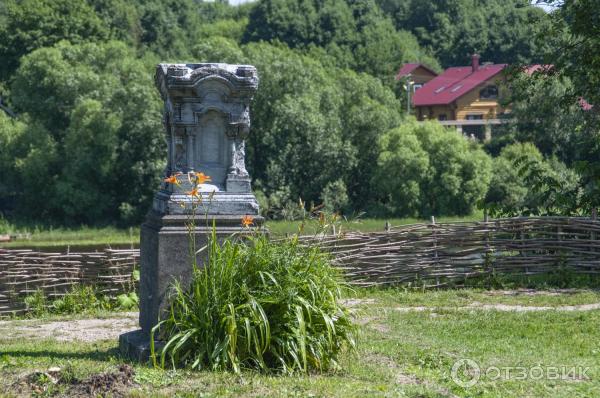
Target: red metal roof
409,68
453,83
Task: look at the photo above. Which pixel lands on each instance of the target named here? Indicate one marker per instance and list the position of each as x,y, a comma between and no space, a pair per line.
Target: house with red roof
419,74
464,96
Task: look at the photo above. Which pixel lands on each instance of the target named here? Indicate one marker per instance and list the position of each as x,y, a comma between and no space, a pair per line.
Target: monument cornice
172,79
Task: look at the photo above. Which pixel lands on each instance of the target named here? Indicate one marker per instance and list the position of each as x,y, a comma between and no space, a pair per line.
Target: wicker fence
22,272
427,254
435,254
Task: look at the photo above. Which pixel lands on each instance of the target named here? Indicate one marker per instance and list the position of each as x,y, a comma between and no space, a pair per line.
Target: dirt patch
60,382
355,302
532,292
114,384
86,330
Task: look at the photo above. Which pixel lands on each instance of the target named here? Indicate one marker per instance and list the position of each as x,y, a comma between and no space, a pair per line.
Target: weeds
80,299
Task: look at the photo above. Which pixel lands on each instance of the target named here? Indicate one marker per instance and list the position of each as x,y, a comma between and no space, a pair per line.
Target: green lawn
84,237
400,353
60,238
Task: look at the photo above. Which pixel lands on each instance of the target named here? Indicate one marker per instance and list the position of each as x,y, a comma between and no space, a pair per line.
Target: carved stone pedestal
206,119
165,256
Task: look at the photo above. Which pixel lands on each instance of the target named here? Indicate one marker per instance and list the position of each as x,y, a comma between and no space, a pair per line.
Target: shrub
426,169
524,183
271,306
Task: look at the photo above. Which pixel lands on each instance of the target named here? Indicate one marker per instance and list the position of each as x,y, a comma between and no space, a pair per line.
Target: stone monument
206,119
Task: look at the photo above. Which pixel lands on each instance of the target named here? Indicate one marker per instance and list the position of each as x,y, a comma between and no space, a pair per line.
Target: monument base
135,345
166,257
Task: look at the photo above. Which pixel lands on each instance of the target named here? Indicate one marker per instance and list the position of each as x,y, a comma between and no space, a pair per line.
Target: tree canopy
80,123
501,31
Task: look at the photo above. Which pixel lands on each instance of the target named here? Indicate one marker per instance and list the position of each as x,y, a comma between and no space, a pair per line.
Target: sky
236,2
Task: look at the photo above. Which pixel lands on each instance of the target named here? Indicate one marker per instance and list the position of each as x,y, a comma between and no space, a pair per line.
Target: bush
426,169
524,183
270,306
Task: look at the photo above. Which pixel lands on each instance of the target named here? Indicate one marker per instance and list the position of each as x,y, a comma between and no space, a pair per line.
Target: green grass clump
258,304
79,299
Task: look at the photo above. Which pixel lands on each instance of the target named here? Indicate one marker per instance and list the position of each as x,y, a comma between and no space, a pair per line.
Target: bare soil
57,382
86,330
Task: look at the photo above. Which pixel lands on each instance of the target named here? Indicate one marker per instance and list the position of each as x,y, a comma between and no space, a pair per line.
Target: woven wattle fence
432,254
426,255
22,272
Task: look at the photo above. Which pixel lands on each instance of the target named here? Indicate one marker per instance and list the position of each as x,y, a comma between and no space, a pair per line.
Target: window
416,86
489,92
474,116
442,117
439,90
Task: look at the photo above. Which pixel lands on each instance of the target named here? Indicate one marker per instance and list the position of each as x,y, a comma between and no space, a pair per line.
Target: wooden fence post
487,261
594,218
435,253
523,251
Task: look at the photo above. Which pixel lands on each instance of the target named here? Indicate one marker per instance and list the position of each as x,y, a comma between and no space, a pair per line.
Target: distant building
462,96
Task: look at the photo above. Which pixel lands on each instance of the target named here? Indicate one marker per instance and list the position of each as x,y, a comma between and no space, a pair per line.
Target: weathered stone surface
206,119
165,256
136,345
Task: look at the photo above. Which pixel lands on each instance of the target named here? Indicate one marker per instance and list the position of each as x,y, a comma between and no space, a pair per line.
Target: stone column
207,120
189,139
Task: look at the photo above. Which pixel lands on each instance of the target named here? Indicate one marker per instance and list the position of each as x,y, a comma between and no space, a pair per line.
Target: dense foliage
424,169
502,31
555,107
357,34
270,306
525,183
81,138
93,141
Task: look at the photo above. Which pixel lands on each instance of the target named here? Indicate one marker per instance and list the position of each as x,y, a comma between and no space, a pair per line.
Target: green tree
401,169
524,183
10,132
296,121
93,146
538,117
559,102
427,169
30,24
459,171
502,31
355,32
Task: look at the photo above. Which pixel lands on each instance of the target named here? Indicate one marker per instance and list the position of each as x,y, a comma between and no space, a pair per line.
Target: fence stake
594,218
435,253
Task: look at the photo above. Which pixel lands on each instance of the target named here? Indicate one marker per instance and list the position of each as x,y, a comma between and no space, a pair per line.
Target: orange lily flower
247,221
201,178
193,192
172,180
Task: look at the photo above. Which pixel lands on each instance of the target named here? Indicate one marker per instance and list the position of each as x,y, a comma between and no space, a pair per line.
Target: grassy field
401,353
60,238
86,237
